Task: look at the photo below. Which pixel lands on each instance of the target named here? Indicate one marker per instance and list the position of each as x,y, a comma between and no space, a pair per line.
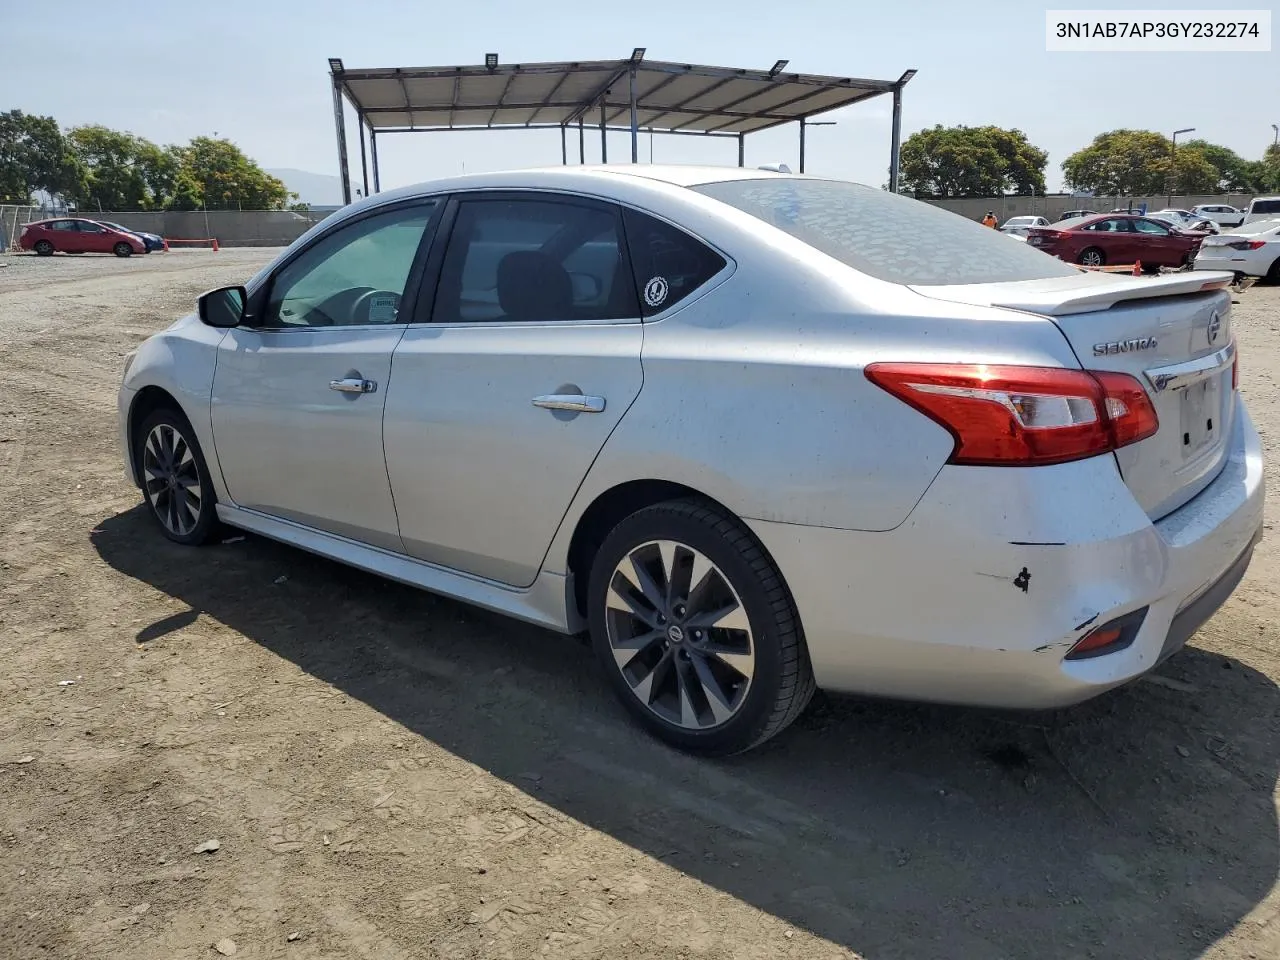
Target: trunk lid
1173,334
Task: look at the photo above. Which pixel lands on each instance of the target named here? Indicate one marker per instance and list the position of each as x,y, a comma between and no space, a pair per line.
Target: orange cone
1137,267
215,244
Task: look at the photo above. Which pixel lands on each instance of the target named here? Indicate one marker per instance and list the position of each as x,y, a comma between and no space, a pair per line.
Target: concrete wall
1053,206
232,228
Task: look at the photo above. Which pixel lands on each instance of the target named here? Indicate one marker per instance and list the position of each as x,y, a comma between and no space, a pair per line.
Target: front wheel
122,249
175,478
696,629
1092,257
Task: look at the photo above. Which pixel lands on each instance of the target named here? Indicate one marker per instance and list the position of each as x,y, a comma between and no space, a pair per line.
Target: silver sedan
753,432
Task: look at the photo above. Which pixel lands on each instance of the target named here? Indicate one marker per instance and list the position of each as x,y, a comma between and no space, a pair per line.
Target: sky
256,72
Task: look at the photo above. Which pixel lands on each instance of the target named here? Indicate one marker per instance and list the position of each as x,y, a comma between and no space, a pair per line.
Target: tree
1193,173
1235,173
115,178
34,156
1120,163
226,179
971,162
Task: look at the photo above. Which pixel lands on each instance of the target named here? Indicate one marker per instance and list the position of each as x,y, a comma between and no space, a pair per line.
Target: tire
1273,274
768,681
122,249
1091,257
43,248
167,431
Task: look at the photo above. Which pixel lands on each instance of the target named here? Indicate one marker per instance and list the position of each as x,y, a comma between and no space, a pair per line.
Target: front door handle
576,402
354,385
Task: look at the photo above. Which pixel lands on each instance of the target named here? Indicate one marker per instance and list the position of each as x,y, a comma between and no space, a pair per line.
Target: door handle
570,401
354,385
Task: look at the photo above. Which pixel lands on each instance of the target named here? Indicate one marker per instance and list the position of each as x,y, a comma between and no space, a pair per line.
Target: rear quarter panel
754,393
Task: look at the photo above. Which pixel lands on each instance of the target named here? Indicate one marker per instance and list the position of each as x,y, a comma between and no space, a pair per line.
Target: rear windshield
887,236
1265,206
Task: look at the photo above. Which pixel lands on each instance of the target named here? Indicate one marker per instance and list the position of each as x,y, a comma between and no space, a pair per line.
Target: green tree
971,162
1235,173
226,179
111,159
34,156
1121,163
1193,172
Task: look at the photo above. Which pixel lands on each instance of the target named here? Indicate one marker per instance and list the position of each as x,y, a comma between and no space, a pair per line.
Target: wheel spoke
645,584
624,651
737,660
623,597
667,553
729,617
645,689
719,702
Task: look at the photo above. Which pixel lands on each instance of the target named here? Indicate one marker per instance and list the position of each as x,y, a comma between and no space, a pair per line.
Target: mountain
317,189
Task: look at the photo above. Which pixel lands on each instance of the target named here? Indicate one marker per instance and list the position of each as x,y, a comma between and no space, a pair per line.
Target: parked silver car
754,432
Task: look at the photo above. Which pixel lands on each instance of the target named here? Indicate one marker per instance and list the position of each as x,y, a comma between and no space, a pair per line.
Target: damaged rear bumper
979,595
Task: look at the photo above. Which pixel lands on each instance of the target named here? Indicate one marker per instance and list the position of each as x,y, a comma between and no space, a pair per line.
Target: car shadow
1142,824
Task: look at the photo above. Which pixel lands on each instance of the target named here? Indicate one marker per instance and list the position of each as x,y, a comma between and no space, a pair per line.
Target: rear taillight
1247,244
1004,415
1043,238
1111,637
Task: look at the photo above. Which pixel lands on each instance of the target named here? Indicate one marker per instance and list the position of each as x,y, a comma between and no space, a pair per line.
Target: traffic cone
1137,267
215,244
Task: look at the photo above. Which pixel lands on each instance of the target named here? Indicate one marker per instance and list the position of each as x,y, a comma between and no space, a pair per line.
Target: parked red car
46,237
1117,238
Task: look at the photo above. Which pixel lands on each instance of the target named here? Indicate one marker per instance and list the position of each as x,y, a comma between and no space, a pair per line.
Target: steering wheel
376,306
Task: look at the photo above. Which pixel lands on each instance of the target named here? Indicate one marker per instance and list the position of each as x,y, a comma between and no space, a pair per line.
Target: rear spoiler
1063,296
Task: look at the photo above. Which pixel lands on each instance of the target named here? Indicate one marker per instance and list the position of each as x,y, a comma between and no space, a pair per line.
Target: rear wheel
696,630
175,478
43,248
1273,275
122,249
1092,257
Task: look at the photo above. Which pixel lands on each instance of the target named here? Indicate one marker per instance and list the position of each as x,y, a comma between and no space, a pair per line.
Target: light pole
1276,128
1173,161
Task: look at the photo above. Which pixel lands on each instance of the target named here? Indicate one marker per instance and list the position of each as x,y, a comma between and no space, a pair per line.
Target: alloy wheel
172,479
680,635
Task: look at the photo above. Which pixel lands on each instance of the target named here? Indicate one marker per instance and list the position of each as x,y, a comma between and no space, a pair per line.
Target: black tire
158,500
1086,255
1273,274
122,249
43,248
782,681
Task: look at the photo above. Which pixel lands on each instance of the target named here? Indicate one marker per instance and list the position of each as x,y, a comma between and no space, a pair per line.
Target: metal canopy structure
622,95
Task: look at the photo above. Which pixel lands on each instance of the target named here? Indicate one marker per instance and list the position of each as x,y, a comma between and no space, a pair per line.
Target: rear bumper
1249,266
978,596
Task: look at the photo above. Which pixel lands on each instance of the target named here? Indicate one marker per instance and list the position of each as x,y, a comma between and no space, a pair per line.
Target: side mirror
224,307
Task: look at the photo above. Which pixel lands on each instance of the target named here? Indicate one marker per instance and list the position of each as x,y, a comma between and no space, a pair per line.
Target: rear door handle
354,385
576,402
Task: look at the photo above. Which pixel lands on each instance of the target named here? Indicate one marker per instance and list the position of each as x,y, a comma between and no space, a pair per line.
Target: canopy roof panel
668,96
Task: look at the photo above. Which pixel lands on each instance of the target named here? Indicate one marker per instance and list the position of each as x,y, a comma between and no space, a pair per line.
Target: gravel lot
387,774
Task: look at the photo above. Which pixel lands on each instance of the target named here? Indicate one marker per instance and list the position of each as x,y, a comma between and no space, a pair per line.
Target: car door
93,237
1156,244
65,236
299,389
523,361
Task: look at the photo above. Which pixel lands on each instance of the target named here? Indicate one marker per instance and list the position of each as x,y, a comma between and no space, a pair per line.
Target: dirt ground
387,774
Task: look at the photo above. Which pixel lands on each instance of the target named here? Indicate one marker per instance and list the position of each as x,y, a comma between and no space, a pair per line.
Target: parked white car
1220,213
1262,208
754,432
1252,251
1020,226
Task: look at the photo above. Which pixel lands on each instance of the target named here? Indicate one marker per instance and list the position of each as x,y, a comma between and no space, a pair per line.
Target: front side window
532,261
669,264
884,235
87,227
1110,226
1150,226
353,276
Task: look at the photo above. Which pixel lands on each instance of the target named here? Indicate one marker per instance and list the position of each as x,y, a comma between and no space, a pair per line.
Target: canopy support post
364,162
564,148
802,129
895,143
582,143
604,138
373,156
742,149
635,126
340,128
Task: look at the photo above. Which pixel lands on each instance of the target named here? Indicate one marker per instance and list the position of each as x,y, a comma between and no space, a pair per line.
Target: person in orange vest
990,220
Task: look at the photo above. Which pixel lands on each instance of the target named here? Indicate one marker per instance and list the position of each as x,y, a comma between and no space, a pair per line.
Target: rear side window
668,264
884,235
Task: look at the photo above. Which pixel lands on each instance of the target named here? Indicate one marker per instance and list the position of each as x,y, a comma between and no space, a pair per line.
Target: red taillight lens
1043,238
1023,416
1247,244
